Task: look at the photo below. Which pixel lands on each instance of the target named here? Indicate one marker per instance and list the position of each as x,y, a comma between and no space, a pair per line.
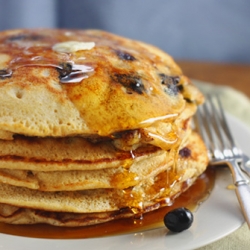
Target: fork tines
215,130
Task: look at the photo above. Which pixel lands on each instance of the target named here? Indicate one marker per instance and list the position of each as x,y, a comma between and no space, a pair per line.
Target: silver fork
211,123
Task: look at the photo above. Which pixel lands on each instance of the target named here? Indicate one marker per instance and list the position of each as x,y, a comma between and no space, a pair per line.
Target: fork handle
242,189
243,195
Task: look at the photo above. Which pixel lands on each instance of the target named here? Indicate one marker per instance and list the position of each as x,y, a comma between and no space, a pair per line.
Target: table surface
234,75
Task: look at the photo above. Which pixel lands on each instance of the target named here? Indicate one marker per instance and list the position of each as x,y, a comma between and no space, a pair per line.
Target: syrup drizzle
36,55
78,73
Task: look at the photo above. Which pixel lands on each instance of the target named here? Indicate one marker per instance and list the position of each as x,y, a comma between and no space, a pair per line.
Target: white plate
217,217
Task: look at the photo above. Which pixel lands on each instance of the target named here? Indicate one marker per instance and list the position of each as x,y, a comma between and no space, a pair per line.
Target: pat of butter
72,46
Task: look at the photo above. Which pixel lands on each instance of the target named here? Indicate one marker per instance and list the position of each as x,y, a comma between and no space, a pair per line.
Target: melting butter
72,46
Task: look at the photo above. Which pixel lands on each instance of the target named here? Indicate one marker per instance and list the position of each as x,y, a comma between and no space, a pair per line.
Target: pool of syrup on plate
191,199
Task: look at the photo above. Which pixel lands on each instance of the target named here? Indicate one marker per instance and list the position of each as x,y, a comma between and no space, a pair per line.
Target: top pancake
112,84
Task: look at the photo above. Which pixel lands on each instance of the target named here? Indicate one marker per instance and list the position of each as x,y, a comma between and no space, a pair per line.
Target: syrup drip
39,57
78,73
190,199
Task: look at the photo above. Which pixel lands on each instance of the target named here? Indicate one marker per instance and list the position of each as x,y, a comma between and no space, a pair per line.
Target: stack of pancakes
93,127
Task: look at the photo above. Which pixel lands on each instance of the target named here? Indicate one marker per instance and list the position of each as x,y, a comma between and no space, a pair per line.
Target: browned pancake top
116,85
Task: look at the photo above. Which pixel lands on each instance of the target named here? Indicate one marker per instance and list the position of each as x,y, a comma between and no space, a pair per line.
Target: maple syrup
190,199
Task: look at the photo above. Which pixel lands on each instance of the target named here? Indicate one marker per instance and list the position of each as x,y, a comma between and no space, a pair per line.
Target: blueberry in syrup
178,219
130,82
64,69
5,73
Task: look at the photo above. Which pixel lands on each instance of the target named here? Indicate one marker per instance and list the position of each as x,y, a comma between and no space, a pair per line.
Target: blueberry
5,73
131,82
178,219
125,56
185,152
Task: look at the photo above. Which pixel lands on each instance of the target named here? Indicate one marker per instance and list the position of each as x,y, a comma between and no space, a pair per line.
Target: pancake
91,205
50,154
93,127
126,174
122,82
